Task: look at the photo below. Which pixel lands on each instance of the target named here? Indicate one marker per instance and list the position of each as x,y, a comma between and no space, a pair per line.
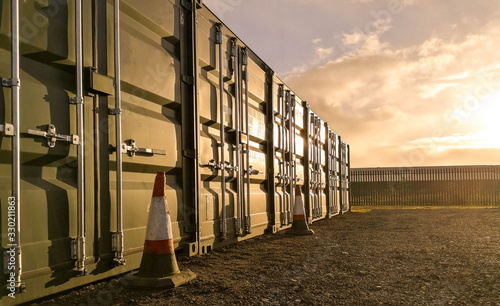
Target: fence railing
426,186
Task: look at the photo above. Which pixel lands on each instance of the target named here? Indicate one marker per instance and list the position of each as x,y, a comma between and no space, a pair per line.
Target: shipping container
98,96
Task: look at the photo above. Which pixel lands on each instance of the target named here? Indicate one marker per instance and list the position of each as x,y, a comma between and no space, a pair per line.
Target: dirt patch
394,257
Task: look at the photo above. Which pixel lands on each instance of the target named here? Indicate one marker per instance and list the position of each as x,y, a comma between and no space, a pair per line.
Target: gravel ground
369,257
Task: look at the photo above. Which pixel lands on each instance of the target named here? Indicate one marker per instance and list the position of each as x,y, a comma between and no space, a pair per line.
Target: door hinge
188,153
52,136
188,5
188,79
7,129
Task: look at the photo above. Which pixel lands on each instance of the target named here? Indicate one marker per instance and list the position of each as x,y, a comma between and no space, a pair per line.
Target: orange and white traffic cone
158,266
299,224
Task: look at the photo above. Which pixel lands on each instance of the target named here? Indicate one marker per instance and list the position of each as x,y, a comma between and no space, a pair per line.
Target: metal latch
131,149
229,167
213,165
252,171
7,129
11,82
52,136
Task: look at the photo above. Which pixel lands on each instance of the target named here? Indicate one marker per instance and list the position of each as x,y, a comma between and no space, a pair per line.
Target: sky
405,82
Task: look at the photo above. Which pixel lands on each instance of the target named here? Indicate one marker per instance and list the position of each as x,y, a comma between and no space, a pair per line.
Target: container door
315,166
151,138
48,142
323,206
218,198
254,146
297,147
288,159
332,174
280,115
344,201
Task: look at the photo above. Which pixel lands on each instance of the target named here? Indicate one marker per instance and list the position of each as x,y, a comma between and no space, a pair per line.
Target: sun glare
488,116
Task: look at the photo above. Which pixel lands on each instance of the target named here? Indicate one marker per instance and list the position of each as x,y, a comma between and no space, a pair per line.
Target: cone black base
166,282
301,232
158,266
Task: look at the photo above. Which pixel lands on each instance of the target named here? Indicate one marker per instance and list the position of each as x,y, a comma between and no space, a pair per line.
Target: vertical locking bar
327,170
237,123
341,190
248,219
222,146
288,146
348,178
334,170
271,152
190,124
80,240
318,166
315,165
307,160
16,159
119,258
281,97
292,167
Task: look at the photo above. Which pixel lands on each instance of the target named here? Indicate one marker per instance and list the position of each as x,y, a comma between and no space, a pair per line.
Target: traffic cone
299,224
158,266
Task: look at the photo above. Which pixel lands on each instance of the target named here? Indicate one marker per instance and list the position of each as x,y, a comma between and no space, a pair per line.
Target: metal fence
426,186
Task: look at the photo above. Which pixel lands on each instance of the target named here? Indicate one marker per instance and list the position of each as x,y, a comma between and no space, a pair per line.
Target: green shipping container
99,96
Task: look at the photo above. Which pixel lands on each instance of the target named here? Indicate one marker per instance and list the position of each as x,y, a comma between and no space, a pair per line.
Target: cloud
317,41
433,90
323,53
396,101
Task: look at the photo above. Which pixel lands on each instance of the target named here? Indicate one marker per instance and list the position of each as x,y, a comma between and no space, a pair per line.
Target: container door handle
252,171
131,149
52,136
213,165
